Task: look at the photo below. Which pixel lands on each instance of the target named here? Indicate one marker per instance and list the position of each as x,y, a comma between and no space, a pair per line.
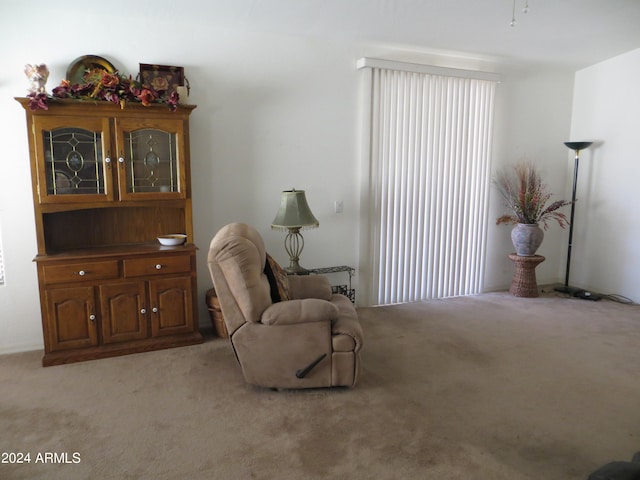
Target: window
428,181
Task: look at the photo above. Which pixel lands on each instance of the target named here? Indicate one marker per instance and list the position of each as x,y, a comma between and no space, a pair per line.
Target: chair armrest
309,286
347,323
299,311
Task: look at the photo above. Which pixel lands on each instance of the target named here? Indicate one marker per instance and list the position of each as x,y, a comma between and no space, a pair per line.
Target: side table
524,280
343,289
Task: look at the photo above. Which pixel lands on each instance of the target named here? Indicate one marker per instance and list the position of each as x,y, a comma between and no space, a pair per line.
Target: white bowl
172,239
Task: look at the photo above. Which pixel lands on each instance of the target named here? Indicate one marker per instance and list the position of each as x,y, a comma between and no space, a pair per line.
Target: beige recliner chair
308,337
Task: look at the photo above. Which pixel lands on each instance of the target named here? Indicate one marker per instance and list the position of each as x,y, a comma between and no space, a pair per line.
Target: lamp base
295,269
293,244
578,292
568,290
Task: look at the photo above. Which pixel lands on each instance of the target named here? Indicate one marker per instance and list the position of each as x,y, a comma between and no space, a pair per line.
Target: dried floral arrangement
101,85
526,195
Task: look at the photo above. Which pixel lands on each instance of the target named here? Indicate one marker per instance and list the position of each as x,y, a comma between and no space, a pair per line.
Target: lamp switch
585,295
339,206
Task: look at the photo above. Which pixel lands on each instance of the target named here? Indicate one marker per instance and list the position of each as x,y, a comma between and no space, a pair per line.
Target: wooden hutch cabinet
107,181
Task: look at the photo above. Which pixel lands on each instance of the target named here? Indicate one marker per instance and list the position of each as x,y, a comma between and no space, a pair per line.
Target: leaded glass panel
73,161
152,161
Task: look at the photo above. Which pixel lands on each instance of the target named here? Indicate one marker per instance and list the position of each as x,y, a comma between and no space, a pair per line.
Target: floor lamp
576,146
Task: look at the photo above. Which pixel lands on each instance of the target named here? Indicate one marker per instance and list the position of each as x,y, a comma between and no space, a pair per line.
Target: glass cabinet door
72,163
150,159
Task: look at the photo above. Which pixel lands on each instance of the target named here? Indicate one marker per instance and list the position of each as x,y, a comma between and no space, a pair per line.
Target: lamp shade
578,145
294,211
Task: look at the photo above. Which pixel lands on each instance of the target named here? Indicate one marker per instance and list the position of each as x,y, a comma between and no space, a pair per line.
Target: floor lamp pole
576,146
573,211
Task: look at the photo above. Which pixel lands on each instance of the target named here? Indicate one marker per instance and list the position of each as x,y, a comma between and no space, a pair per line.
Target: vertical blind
429,179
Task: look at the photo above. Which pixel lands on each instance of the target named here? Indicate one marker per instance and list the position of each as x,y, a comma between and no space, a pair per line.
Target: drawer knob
92,318
158,266
107,160
143,311
154,309
82,273
121,159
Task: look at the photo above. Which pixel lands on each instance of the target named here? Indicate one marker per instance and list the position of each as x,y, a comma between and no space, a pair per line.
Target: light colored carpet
484,387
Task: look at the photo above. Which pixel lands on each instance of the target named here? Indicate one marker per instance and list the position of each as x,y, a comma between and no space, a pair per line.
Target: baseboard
27,347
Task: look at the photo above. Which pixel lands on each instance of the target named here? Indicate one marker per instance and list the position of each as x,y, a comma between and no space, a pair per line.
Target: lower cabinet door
171,304
124,312
70,318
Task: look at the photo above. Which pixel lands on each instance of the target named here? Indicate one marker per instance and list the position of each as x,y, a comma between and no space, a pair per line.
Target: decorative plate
162,78
63,184
80,65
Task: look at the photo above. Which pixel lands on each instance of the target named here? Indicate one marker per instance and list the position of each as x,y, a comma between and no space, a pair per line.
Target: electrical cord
588,295
614,297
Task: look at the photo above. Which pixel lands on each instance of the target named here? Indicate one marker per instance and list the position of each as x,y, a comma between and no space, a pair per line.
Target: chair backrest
236,262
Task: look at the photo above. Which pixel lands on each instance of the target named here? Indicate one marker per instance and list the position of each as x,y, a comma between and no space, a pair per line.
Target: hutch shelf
107,181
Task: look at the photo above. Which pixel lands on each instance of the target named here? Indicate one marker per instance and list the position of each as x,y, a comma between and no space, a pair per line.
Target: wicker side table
524,280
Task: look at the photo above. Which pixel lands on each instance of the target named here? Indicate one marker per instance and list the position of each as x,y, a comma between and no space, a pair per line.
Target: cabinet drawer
139,267
77,272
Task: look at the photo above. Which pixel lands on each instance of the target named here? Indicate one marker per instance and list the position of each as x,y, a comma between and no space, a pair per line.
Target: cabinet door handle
121,160
154,309
143,311
158,266
92,318
107,160
82,273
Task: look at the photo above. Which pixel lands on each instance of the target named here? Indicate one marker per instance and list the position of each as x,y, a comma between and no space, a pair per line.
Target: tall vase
526,238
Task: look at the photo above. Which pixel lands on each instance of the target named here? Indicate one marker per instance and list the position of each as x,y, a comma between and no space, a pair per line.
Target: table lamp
293,215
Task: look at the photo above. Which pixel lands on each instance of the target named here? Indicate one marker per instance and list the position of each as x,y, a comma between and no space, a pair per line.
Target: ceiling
571,34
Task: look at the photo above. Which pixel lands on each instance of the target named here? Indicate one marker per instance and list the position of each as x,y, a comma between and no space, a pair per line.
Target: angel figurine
37,75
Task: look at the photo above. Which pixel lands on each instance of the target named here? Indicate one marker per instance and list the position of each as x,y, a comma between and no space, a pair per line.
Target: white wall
274,112
532,122
605,256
